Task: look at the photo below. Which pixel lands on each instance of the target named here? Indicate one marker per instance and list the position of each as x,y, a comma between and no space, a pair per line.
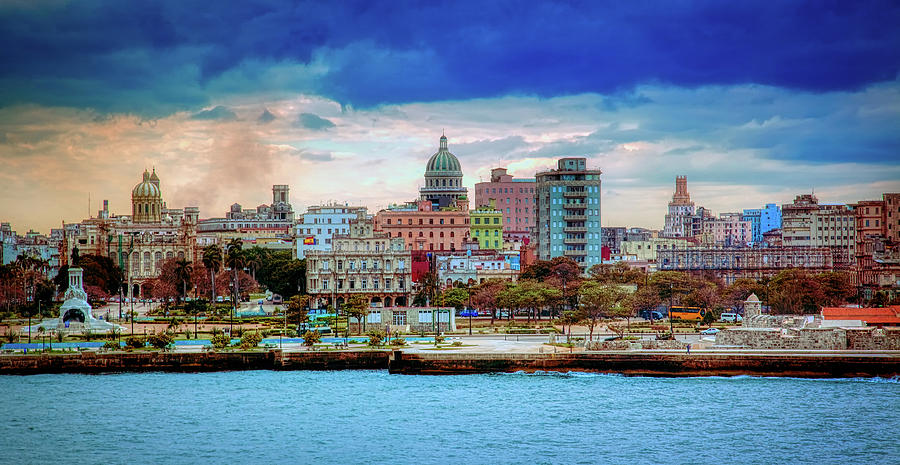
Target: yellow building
647,250
486,227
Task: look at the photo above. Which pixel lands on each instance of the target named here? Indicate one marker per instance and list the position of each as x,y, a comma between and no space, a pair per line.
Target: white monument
75,314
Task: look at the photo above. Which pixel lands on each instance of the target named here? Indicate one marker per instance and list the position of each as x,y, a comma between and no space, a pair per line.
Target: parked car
730,318
710,331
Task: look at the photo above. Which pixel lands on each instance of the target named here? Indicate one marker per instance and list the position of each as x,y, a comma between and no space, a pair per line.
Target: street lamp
671,325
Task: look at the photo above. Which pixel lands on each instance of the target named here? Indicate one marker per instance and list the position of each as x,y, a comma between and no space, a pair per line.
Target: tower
680,208
146,200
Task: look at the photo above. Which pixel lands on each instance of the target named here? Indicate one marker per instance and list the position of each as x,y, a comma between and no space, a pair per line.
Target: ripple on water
371,416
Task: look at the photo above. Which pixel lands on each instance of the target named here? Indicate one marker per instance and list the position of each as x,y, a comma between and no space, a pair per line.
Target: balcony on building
575,205
574,241
574,229
575,193
576,253
575,218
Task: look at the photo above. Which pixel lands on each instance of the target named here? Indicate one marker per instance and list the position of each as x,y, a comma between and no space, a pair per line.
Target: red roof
878,316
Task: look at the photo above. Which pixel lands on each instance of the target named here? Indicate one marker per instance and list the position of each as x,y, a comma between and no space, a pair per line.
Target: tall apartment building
362,262
514,198
568,212
763,220
680,208
315,228
807,223
892,217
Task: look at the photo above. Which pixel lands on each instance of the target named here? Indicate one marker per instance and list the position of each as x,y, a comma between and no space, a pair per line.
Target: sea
372,417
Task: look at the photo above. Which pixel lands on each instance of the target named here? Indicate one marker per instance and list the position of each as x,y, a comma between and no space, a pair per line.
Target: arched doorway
387,302
400,301
73,314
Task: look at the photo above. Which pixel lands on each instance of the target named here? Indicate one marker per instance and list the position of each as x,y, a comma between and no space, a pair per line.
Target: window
363,284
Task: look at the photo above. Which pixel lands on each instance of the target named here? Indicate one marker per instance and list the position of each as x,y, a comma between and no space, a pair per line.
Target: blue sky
764,99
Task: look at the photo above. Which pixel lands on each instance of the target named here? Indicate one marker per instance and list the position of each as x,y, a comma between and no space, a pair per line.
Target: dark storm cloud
312,121
174,55
266,117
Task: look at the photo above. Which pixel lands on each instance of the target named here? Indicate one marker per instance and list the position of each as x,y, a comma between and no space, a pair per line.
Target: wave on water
558,374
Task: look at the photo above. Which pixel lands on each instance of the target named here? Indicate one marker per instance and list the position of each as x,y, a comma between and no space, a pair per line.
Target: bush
376,338
238,332
220,340
457,344
111,345
250,340
188,333
134,342
310,338
398,342
161,340
438,339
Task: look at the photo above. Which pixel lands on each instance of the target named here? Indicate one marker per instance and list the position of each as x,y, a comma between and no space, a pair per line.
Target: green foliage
161,340
456,298
376,337
111,345
457,344
617,273
219,340
295,310
439,339
134,342
250,340
398,342
99,271
357,307
311,338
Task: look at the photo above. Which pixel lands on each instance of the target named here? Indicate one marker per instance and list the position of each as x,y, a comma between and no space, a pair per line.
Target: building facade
731,264
362,262
763,220
424,228
729,229
315,228
568,212
807,223
515,200
486,227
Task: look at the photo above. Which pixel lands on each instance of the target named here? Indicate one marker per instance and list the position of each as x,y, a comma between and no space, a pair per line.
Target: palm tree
183,270
234,259
212,260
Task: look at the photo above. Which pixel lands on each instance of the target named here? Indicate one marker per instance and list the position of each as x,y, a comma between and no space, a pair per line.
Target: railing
575,229
575,218
575,194
575,252
574,241
573,205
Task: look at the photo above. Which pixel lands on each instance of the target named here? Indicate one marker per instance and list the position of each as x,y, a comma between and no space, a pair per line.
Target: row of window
487,233
421,221
363,265
507,190
488,220
351,284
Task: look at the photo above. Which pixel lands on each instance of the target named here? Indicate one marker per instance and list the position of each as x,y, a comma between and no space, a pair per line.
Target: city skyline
753,111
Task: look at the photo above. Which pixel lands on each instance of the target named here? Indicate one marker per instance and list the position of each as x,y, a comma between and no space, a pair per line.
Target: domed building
146,200
443,178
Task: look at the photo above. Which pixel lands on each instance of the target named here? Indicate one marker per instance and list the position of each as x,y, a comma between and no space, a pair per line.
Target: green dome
443,161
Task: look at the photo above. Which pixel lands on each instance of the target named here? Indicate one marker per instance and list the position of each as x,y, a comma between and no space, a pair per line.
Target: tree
617,273
183,270
429,289
99,271
598,301
212,261
295,309
484,296
794,291
234,259
194,308
358,307
535,296
456,298
836,288
310,338
644,299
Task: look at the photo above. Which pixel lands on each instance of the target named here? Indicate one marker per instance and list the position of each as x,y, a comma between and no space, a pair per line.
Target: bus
687,313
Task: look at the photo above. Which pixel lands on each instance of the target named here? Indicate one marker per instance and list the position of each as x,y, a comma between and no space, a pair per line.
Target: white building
315,228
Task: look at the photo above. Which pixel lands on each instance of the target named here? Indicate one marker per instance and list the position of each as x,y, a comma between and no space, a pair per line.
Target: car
710,331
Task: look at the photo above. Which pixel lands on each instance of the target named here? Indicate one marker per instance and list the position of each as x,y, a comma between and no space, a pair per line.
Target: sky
755,102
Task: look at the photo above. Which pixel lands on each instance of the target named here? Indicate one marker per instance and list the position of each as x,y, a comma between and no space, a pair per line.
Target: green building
486,227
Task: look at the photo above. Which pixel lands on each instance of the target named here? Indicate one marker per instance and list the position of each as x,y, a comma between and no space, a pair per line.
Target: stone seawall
655,364
92,362
811,338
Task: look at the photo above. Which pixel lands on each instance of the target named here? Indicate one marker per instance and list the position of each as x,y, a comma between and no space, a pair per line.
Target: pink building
729,229
514,198
423,227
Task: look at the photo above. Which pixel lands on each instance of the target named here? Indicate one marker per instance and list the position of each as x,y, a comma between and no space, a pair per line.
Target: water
358,417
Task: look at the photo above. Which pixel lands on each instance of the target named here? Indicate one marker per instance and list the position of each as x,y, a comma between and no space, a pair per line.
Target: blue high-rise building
763,220
567,202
